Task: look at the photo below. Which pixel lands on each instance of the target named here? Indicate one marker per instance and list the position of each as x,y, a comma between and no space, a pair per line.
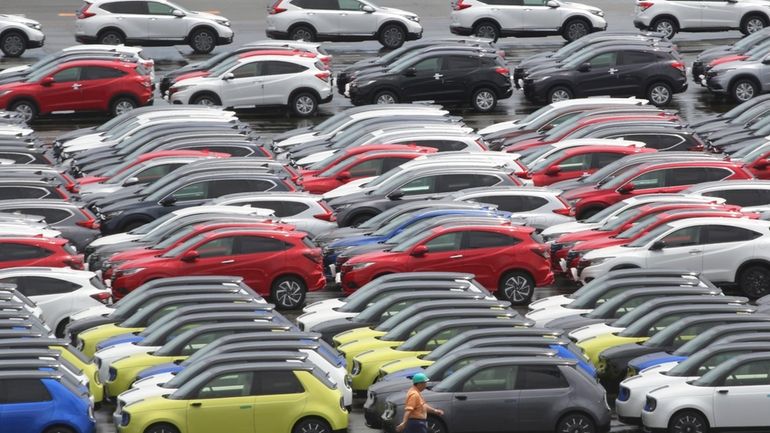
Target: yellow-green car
89,369
593,346
270,397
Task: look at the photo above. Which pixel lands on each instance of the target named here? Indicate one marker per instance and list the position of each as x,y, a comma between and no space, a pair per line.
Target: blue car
40,400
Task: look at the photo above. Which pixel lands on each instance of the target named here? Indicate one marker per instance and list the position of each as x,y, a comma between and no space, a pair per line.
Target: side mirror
766,60
553,170
345,175
420,250
228,76
761,164
410,72
177,13
625,189
131,181
658,245
368,9
190,256
584,67
168,200
47,81
395,195
552,4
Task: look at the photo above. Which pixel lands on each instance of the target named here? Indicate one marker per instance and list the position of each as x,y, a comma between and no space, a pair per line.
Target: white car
751,194
732,396
544,152
493,19
301,83
341,20
59,292
724,251
17,33
156,22
671,16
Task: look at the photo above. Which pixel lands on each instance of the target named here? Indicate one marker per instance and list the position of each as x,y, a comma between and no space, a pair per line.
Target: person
415,409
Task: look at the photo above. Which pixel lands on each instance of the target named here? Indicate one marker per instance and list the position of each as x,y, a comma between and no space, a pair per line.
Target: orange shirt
416,404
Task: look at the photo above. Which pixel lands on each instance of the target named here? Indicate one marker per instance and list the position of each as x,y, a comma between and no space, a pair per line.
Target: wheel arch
122,95
311,90
110,27
576,16
24,97
751,262
486,18
666,16
290,273
204,92
15,30
392,21
59,423
302,24
746,76
311,415
577,411
362,210
689,406
755,12
201,27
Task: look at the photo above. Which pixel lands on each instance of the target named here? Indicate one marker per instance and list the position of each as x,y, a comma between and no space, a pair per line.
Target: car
340,20
445,77
700,406
88,85
150,23
741,80
38,251
671,17
738,48
76,223
754,53
15,155
310,385
747,194
270,80
550,410
655,73
19,33
528,18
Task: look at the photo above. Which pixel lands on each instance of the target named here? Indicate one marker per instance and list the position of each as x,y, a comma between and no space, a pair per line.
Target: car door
601,78
215,257
488,398
442,250
720,14
245,87
633,69
651,182
63,93
278,392
724,250
456,71
130,17
97,86
353,20
278,79
227,399
322,14
507,12
538,385
745,389
53,295
480,254
423,80
537,16
259,259
570,167
163,24
22,401
682,250
689,12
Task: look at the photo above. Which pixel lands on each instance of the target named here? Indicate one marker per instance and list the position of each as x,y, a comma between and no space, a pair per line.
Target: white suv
671,16
493,19
301,83
341,20
18,33
149,23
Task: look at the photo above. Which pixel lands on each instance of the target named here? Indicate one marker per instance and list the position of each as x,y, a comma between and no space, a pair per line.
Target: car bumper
460,30
642,23
276,34
697,70
715,84
413,36
533,92
84,39
357,97
35,43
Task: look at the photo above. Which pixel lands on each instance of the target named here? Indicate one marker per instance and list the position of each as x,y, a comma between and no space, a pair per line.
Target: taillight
327,60
324,76
75,263
501,53
482,144
645,5
90,222
292,172
564,211
460,5
276,8
103,297
314,256
541,251
676,64
83,13
522,174
503,71
328,214
61,193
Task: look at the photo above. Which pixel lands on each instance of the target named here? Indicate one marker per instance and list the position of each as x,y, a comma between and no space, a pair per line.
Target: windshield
409,243
639,227
622,219
754,113
327,162
619,180
384,177
650,236
118,179
396,54
758,52
210,63
580,57
332,123
405,61
534,154
393,224
753,154
560,130
547,162
36,76
184,246
571,48
173,239
534,115
223,67
605,213
749,41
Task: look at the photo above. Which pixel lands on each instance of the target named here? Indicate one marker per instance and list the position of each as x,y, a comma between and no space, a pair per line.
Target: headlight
80,344
650,404
721,71
364,83
342,207
598,13
35,26
356,368
225,23
5,92
600,260
573,202
125,418
130,271
544,78
113,374
113,214
414,18
357,266
348,381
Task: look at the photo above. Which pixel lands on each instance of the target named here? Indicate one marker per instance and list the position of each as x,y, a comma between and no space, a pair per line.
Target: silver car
741,80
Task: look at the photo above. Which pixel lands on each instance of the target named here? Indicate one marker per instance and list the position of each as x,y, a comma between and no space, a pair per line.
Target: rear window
309,242
97,283
142,70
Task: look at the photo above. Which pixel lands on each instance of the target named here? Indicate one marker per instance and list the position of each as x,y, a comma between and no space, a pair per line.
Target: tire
755,281
664,25
203,41
59,429
688,422
753,23
304,104
288,293
484,100
392,36
111,37
122,104
385,97
13,44
659,94
743,89
312,425
517,287
435,425
359,219
559,93
161,428
302,33
209,99
27,109
59,332
576,423
487,30
575,29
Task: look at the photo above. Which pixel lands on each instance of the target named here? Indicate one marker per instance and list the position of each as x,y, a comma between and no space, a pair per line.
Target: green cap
419,378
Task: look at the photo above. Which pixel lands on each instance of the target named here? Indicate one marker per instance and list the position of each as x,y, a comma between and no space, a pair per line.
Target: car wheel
161,428
13,44
744,89
752,24
360,219
209,99
517,287
112,37
392,36
288,292
304,105
666,26
203,41
484,100
688,422
59,332
576,423
312,425
575,29
435,425
559,93
385,97
26,109
755,281
487,30
122,105
660,94
302,33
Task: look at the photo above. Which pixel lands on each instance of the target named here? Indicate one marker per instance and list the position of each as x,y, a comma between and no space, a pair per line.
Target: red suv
506,259
342,155
758,162
277,263
372,163
651,178
81,85
150,156
38,251
574,162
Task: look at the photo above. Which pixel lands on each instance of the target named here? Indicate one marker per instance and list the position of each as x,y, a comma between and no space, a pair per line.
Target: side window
195,191
665,142
218,188
456,182
440,145
372,167
67,75
391,163
228,385
445,242
534,2
197,342
506,203
715,174
430,65
685,237
51,215
291,208
98,73
349,5
217,248
39,286
478,239
248,70
423,185
693,175
501,378
531,202
10,252
454,367
128,7
601,159
154,173
576,163
276,206
630,305
651,179
454,63
637,58
689,333
603,60
739,197
154,8
23,391
277,382
721,234
280,68
443,336
258,244
750,374
540,377
661,324
316,4
717,359
230,150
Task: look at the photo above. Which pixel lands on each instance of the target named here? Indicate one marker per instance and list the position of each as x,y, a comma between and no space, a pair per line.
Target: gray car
75,222
531,393
740,80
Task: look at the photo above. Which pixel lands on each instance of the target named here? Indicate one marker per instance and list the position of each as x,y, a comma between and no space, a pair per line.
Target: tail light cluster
676,64
565,211
90,222
314,256
328,214
324,76
460,5
645,5
84,13
103,297
503,71
541,251
276,8
75,262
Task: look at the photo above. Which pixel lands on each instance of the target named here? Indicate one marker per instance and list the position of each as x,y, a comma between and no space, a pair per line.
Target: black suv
649,72
442,76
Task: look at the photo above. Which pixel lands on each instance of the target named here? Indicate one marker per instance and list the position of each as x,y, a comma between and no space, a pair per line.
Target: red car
651,178
277,263
342,155
150,156
368,164
758,163
574,162
80,85
38,251
505,259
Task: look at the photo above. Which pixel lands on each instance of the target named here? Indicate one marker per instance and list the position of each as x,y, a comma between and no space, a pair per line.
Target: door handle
510,400
436,76
153,19
461,397
723,391
527,10
246,406
612,71
196,404
225,262
77,86
458,256
695,251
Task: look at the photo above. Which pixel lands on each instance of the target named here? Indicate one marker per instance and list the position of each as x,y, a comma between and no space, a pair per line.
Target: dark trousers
416,426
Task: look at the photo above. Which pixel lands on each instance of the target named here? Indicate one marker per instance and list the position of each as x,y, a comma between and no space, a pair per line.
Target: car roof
30,374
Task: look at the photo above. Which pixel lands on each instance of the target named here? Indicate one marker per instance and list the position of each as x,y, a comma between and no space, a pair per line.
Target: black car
653,73
441,76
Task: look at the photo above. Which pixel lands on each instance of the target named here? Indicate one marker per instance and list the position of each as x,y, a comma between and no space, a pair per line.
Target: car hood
546,69
193,79
581,192
84,140
727,59
567,228
113,239
143,262
339,233
17,19
570,323
715,51
16,70
12,85
362,64
364,249
733,65
355,196
207,16
610,252
581,6
603,242
395,11
353,189
123,204
354,241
